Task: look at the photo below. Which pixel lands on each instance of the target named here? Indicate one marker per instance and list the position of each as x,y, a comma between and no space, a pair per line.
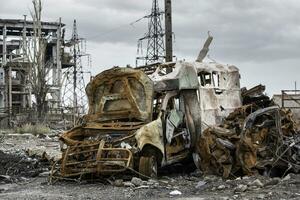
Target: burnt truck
141,122
142,119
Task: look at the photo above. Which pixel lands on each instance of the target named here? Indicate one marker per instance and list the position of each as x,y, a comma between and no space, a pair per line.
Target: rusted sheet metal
94,158
256,90
151,133
250,140
120,93
120,103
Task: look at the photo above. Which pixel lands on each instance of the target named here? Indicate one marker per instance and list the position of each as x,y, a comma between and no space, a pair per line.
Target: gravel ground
39,188
31,181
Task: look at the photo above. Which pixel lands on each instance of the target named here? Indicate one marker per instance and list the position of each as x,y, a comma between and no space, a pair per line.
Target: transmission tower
74,97
155,52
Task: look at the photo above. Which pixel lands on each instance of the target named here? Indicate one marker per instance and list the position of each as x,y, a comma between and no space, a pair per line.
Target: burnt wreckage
258,137
142,120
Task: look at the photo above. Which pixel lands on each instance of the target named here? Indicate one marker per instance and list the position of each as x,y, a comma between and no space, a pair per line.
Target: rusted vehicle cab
130,125
120,102
217,87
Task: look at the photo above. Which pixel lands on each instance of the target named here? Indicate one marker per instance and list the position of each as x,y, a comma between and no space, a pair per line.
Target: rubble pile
256,138
15,166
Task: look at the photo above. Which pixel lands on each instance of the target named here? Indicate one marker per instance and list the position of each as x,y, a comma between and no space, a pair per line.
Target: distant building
289,99
15,64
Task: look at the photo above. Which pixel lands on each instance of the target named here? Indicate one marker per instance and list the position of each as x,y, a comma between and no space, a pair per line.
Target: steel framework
74,97
155,52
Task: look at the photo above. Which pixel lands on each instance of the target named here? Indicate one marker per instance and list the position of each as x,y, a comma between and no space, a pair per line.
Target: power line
116,28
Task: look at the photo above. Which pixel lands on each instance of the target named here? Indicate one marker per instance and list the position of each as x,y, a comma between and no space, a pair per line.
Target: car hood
120,94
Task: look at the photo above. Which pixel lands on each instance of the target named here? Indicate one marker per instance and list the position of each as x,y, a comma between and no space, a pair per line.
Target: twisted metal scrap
250,140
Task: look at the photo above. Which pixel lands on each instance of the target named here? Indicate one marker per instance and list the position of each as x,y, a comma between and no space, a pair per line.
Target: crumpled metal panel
120,93
217,100
220,97
250,139
120,102
151,133
183,76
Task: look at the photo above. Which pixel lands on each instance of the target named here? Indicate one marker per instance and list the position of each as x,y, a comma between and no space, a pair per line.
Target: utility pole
58,69
168,31
75,40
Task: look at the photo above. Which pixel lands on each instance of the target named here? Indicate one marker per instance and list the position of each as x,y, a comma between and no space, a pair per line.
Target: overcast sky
260,37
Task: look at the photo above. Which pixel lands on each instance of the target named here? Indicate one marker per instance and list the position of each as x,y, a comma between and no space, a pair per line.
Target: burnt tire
148,166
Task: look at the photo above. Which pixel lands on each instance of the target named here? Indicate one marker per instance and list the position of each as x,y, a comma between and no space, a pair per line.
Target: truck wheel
148,166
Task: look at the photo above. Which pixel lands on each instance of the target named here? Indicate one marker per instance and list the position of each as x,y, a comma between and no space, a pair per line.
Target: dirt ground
24,175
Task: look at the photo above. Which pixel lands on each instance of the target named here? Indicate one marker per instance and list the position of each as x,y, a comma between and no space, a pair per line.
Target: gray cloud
258,36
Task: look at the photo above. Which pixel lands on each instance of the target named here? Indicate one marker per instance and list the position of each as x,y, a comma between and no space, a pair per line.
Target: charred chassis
130,125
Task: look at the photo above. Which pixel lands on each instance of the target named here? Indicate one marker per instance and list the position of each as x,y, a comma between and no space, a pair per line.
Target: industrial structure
289,99
74,99
16,92
159,41
155,51
15,87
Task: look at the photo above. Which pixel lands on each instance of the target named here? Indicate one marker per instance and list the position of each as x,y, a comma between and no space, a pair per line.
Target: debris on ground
258,137
25,156
216,188
175,193
137,181
190,185
14,166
